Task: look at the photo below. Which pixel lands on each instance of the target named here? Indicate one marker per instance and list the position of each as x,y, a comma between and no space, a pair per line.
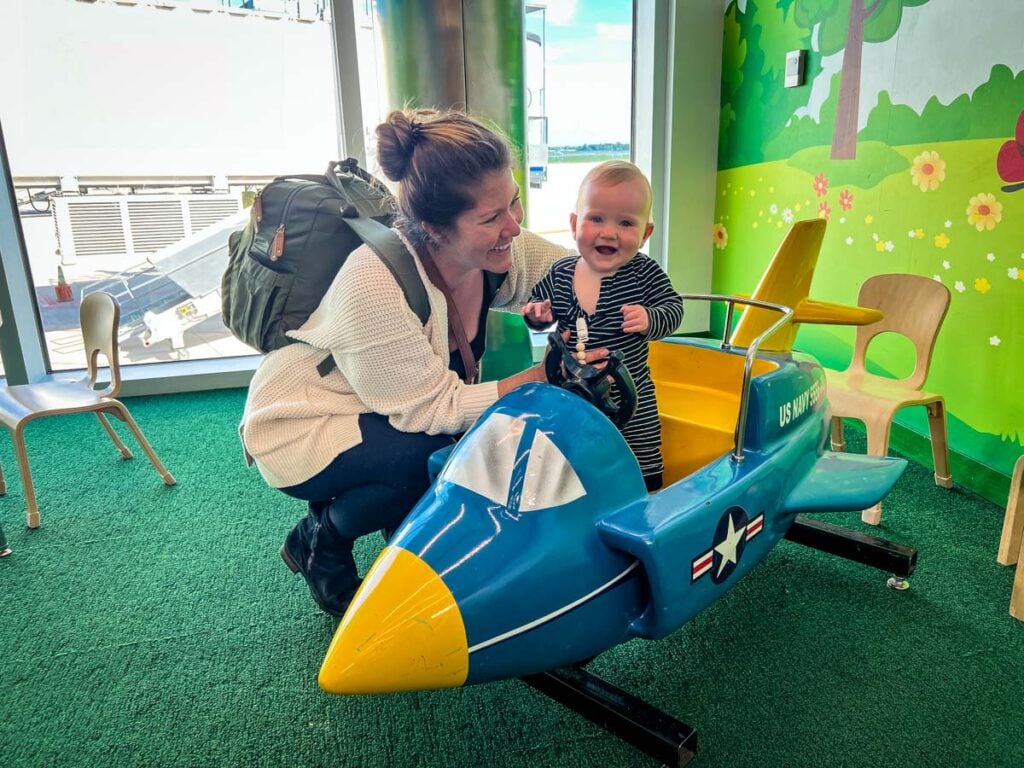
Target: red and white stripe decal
754,526
702,564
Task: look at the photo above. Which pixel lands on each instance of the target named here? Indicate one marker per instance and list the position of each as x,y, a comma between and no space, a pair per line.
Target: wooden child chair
1011,543
914,307
99,316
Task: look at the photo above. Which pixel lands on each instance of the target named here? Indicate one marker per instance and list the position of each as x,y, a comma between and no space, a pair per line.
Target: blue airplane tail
844,482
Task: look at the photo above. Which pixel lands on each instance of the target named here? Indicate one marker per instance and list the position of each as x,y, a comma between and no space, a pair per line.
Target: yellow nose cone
402,632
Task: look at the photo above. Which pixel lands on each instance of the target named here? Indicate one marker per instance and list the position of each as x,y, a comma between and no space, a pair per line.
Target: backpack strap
388,246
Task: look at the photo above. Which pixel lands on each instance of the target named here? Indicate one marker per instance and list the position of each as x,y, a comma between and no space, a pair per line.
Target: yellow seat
914,307
99,316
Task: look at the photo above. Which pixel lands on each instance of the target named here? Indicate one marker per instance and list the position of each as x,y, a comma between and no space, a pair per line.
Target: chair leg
940,443
125,453
32,513
127,418
878,445
1013,523
838,439
1017,596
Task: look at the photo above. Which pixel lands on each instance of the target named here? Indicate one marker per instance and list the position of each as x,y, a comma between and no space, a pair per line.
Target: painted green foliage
845,26
985,114
755,106
775,133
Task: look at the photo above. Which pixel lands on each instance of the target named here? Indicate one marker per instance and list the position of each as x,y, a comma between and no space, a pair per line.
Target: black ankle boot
324,559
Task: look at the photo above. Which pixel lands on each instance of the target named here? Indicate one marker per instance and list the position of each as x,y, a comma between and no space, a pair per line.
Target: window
131,165
579,72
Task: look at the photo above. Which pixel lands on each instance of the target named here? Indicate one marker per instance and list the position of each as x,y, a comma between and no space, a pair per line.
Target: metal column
462,54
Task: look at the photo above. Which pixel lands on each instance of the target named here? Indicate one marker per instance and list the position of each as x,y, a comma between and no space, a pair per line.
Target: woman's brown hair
436,158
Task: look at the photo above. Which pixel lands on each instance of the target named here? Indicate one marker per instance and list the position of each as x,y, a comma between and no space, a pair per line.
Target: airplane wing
843,482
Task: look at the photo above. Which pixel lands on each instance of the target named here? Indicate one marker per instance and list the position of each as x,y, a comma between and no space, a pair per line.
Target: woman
355,443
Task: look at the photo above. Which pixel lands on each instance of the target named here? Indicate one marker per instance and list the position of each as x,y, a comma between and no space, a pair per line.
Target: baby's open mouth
606,250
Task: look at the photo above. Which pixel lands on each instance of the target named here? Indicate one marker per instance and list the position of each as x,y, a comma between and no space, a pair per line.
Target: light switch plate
796,62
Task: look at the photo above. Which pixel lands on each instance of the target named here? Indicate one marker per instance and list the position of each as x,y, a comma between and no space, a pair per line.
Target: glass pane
133,160
579,71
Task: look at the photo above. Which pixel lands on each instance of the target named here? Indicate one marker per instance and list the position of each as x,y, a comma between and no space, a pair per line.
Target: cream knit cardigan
296,422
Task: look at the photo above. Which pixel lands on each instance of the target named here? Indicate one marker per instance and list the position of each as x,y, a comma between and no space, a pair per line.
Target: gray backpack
301,231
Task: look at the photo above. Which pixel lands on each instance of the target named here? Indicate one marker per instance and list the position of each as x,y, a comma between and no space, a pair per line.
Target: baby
625,298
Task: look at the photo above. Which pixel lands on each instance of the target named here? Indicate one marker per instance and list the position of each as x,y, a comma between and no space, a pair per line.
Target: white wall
89,88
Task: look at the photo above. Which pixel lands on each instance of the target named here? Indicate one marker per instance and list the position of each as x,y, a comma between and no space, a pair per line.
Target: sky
589,70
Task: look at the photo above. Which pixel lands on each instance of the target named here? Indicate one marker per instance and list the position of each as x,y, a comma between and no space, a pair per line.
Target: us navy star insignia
733,532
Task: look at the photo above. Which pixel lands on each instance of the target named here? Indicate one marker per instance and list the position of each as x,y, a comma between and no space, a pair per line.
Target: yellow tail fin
787,281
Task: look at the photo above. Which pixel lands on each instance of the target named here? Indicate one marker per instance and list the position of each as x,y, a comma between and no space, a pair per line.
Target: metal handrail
732,301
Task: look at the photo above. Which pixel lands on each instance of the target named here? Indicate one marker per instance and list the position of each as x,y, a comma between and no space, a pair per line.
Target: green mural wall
908,137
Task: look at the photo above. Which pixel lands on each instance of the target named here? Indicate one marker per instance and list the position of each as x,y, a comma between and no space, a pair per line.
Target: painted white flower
874,236
1013,273
991,257
842,219
849,241
948,224
912,234
773,208
946,265
890,246
937,278
787,215
960,287
995,341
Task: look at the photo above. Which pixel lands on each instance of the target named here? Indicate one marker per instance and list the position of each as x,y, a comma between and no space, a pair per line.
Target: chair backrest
99,316
912,306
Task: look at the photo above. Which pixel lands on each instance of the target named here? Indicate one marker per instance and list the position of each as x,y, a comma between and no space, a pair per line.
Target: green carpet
153,626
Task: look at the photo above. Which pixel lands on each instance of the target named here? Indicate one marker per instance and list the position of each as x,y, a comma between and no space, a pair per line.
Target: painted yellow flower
720,236
880,246
984,211
941,240
869,219
981,285
920,233
928,170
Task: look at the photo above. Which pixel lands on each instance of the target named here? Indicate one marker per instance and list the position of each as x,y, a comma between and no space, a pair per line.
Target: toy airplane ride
538,546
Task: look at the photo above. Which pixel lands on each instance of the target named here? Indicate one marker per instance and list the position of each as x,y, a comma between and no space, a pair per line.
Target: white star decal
727,549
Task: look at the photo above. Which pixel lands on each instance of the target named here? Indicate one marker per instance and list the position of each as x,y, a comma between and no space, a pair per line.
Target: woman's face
481,237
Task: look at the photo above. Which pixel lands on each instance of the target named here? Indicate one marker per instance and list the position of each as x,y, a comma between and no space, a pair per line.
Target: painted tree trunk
844,137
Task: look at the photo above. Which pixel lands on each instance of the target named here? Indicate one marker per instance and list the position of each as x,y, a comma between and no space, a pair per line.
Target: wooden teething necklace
582,337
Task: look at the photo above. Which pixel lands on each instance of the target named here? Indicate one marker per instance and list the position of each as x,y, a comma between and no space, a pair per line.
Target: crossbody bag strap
455,327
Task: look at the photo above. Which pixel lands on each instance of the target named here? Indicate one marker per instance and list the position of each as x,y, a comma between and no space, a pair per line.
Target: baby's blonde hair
612,172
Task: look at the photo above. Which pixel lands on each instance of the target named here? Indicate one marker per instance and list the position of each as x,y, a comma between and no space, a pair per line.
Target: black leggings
373,485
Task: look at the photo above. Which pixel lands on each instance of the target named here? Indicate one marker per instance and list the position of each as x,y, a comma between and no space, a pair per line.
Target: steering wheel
591,383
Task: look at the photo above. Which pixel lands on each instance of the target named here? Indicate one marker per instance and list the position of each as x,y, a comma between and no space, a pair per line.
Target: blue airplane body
538,546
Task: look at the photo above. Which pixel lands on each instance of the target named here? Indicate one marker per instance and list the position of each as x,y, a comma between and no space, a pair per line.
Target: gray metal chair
99,316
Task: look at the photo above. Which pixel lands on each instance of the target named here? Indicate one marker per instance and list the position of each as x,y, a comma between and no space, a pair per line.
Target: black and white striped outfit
639,281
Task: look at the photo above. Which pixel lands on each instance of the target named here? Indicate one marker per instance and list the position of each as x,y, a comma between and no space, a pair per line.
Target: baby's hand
635,319
538,313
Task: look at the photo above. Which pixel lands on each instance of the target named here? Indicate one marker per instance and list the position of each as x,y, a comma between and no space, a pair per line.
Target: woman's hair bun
397,138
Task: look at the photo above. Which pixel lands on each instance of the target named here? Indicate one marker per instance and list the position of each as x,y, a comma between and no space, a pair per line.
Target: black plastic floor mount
632,719
897,559
658,734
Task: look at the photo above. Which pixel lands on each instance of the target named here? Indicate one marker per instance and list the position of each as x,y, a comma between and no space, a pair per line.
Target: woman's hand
595,357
